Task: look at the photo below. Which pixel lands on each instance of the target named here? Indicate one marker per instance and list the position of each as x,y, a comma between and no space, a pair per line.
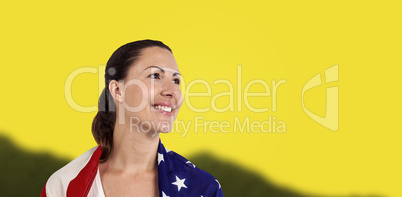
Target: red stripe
43,194
82,183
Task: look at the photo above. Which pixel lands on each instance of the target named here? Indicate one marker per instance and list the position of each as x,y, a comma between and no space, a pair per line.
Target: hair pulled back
116,69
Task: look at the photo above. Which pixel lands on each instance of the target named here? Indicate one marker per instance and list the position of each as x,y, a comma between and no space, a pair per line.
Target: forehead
155,56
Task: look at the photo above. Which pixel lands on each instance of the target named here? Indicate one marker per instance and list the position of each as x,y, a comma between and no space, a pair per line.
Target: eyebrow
162,70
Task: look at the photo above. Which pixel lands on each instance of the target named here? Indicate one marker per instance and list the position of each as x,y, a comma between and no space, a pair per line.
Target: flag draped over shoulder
176,177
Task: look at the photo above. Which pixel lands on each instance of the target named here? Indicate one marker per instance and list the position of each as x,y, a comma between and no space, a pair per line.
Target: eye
154,76
176,81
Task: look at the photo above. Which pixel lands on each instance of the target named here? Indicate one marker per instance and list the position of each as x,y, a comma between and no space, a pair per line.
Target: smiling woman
142,84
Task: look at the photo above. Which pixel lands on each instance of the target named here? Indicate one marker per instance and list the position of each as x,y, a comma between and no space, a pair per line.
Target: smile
163,108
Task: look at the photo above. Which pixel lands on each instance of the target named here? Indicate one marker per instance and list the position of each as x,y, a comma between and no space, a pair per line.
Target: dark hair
116,69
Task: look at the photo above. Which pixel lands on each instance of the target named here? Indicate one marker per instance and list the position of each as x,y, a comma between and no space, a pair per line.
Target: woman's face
151,93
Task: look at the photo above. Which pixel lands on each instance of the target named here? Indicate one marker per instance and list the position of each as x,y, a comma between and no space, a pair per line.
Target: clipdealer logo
331,119
326,80
238,96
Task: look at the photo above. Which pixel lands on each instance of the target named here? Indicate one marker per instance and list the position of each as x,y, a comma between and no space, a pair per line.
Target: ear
116,91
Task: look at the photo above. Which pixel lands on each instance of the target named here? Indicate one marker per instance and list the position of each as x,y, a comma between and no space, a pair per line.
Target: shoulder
58,182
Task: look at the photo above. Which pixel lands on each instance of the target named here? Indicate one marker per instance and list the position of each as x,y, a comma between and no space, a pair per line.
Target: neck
133,151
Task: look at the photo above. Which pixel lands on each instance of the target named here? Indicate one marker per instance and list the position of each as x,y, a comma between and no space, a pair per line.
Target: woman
141,99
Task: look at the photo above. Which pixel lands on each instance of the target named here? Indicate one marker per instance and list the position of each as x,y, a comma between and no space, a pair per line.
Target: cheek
135,96
180,99
152,91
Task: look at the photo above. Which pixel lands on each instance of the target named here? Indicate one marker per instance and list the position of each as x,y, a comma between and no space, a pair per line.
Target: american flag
176,177
179,177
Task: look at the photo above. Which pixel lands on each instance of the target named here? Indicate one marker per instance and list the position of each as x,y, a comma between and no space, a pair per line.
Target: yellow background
42,42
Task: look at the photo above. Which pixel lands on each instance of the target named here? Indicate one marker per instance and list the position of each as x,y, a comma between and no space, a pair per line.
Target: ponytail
103,124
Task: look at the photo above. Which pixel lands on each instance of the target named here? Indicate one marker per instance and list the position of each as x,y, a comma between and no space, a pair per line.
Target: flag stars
179,183
218,183
189,162
160,158
164,195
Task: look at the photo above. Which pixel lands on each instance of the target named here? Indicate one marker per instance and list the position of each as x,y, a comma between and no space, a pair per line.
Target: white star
160,158
167,150
164,195
191,163
179,183
218,183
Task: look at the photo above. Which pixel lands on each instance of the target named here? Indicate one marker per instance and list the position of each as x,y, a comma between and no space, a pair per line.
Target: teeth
163,108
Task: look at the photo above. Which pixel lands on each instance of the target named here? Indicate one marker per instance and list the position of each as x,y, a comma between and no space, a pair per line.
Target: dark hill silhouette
237,181
24,173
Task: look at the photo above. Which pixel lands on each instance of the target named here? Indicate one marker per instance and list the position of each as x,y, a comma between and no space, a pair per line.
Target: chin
165,129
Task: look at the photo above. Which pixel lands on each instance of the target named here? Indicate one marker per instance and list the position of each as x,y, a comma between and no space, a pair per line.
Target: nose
171,90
